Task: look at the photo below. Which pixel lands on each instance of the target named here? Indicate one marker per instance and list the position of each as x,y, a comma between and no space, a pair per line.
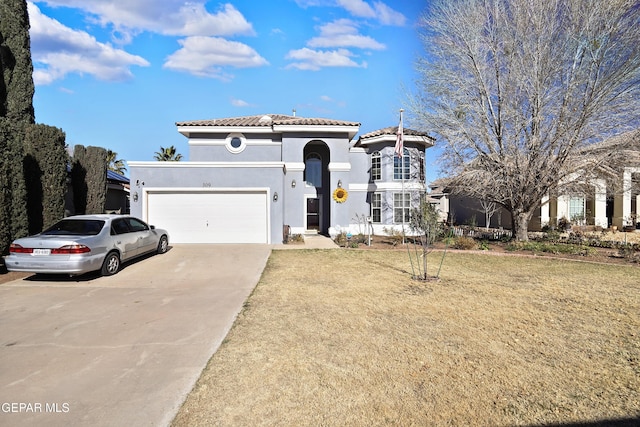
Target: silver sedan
83,243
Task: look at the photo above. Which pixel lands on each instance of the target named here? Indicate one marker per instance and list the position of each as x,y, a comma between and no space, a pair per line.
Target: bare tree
488,208
518,91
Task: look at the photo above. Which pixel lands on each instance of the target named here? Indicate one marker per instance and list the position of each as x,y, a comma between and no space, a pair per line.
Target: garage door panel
210,217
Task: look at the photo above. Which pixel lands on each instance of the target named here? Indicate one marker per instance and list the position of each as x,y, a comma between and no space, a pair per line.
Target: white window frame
376,205
229,143
405,208
376,166
398,166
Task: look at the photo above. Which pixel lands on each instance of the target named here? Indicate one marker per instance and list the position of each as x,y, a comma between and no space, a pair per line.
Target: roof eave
352,130
426,141
188,130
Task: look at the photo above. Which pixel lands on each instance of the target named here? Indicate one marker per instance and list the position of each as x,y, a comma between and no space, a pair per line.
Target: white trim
397,186
229,140
220,142
424,140
387,186
339,167
294,166
358,150
350,130
363,187
236,165
187,130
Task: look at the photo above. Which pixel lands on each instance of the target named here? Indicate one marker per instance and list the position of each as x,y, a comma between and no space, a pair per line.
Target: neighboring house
612,202
462,210
117,193
251,179
117,200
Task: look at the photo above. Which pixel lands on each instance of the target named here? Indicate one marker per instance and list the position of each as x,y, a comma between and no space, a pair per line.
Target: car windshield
76,227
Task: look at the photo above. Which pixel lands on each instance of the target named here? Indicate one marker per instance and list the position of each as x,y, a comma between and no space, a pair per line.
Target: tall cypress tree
89,179
16,87
6,133
45,172
16,112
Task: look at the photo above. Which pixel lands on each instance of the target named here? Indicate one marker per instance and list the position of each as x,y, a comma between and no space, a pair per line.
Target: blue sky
119,73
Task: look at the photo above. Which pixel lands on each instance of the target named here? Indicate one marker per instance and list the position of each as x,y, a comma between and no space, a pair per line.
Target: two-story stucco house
249,178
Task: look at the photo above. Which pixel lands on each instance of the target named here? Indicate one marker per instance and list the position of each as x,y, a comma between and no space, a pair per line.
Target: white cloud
169,17
309,59
330,100
240,103
58,50
343,33
358,8
206,57
379,11
388,16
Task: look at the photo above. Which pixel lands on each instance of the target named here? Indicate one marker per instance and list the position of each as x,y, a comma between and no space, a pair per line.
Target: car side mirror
153,227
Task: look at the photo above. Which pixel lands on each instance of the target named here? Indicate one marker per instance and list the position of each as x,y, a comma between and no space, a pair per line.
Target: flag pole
399,149
402,154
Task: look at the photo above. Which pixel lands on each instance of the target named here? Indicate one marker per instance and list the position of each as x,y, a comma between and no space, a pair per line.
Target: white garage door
210,216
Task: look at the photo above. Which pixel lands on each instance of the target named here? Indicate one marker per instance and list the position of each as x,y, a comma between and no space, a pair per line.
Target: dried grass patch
347,338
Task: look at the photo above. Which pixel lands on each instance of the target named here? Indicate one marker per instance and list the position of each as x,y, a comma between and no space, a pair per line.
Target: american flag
400,139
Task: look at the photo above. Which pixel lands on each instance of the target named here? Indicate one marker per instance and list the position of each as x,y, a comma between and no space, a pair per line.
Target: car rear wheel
163,245
111,264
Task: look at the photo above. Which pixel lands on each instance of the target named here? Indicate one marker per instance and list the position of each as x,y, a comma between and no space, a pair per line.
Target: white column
600,202
545,217
626,196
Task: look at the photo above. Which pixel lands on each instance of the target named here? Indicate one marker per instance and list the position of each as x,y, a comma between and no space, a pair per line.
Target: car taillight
17,249
70,249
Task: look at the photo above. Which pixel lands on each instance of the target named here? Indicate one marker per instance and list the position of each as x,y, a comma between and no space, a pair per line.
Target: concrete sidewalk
311,241
122,350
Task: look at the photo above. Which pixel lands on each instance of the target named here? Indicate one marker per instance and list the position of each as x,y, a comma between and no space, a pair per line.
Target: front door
313,213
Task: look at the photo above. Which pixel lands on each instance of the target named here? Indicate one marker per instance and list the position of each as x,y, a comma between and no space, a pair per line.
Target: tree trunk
520,224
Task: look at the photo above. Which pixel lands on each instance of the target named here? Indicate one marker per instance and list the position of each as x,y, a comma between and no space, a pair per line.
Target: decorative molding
294,166
233,165
339,167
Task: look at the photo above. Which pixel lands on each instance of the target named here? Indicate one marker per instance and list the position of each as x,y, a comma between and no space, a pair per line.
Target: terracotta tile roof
268,120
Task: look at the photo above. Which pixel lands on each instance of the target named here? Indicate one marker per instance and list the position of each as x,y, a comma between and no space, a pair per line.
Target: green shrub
552,236
554,248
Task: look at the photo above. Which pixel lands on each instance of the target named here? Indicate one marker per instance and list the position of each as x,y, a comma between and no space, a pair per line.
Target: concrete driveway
120,350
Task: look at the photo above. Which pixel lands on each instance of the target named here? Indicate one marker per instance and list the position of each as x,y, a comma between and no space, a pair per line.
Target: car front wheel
111,264
163,245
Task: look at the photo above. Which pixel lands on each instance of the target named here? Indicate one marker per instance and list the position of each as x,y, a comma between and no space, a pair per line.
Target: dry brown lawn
346,337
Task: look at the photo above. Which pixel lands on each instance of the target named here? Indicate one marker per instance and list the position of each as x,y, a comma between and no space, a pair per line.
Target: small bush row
550,247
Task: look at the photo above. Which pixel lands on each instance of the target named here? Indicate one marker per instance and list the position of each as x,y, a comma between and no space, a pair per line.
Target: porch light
293,184
275,196
135,196
339,183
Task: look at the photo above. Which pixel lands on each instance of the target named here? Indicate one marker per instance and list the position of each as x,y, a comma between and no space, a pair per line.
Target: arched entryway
317,181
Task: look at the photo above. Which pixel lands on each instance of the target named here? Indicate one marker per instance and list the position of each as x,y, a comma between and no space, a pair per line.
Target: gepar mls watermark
34,407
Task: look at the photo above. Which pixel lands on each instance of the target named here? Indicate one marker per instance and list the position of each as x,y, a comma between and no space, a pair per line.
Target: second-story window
376,173
402,166
313,170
